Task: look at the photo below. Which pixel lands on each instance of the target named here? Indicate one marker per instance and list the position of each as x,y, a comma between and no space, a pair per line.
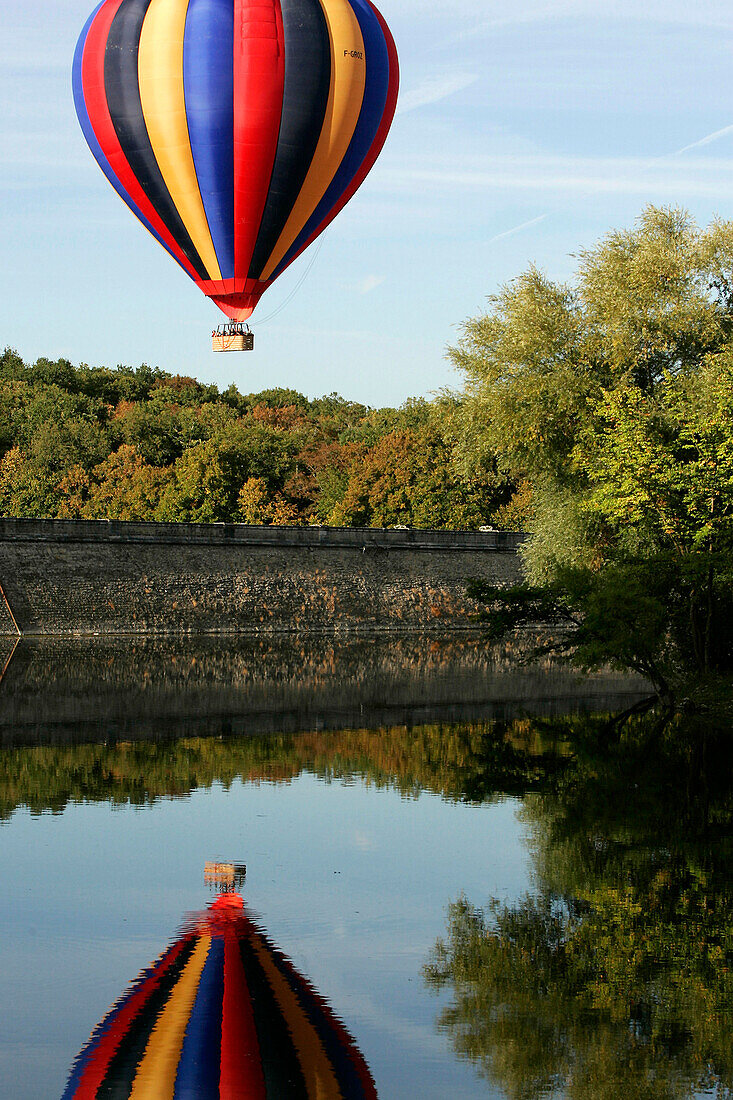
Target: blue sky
524,132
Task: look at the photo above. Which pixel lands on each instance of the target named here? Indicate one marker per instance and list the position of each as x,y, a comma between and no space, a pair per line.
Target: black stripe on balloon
123,100
305,98
341,1051
280,1066
121,1071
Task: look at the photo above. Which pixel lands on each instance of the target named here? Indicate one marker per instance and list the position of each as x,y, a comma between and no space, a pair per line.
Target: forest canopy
141,444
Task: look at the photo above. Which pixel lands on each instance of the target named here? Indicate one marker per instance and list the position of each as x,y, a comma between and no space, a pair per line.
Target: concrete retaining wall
70,577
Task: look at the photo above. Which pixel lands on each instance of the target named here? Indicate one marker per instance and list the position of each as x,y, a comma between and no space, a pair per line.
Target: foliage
407,478
470,762
613,396
124,486
611,401
142,444
667,618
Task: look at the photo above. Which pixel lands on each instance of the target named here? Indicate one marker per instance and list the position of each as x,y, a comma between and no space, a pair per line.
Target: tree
208,477
612,400
407,477
257,506
123,487
652,308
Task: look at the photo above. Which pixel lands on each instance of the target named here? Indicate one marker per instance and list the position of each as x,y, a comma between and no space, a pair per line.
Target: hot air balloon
235,130
221,1015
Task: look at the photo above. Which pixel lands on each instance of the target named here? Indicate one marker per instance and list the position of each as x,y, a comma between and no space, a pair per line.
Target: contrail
433,90
516,229
706,140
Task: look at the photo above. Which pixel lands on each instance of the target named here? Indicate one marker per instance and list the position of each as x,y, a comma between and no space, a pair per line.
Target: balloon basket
224,877
233,337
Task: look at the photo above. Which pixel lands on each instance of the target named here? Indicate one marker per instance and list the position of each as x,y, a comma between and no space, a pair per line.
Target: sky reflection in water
350,881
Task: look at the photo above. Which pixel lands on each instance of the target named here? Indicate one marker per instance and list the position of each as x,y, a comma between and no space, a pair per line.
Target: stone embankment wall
70,577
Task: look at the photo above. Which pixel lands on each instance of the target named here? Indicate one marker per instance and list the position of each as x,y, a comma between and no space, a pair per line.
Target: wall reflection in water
73,690
221,1014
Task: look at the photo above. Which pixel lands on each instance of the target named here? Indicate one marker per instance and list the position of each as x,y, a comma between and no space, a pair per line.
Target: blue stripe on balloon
199,1067
307,50
91,138
208,88
376,87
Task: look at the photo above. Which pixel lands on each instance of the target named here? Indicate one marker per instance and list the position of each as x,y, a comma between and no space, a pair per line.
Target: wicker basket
243,341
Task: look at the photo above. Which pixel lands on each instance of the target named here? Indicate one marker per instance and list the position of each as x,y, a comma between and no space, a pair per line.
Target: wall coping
241,534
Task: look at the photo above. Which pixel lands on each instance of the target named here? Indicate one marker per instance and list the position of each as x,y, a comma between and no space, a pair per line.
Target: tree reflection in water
615,978
466,761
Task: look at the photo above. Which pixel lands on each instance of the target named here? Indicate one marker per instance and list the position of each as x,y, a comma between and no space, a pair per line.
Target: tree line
468,761
141,444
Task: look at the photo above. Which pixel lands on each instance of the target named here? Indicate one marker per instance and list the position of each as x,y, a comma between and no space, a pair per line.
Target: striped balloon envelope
235,130
221,1014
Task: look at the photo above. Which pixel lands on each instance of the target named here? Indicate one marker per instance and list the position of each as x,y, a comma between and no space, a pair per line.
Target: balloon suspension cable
298,285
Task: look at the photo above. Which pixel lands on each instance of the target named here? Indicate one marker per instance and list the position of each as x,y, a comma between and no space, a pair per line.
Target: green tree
651,309
208,477
407,477
124,486
611,399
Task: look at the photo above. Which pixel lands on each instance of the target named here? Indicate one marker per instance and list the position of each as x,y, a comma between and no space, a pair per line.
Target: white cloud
369,283
433,90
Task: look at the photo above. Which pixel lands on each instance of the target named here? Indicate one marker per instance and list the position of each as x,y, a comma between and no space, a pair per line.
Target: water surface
486,904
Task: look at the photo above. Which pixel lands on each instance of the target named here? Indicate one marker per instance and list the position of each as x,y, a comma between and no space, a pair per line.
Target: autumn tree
124,486
208,477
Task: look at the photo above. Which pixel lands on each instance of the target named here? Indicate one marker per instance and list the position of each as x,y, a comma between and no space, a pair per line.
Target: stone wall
95,577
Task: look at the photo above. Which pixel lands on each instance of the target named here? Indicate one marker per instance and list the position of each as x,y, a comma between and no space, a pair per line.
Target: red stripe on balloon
374,149
108,1045
96,103
259,79
241,1068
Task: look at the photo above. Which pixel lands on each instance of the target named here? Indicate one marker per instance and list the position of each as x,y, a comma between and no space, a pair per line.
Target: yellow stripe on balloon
156,1075
345,96
160,78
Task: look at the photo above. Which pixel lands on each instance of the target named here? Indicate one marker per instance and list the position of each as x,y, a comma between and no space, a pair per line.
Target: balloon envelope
224,1015
235,130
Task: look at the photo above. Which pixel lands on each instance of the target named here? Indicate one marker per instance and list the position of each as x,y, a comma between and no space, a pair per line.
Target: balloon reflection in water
221,1014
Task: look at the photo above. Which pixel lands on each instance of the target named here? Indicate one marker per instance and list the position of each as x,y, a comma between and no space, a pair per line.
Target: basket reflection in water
221,1014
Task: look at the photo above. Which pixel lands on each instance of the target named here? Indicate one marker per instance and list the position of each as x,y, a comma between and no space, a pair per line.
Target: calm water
448,891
